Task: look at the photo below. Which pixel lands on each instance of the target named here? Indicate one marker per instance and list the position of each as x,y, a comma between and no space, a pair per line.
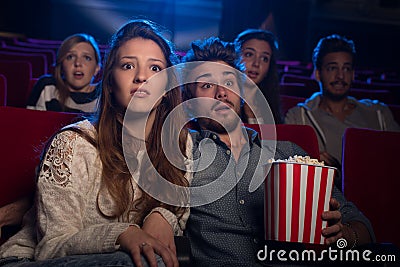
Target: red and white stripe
295,197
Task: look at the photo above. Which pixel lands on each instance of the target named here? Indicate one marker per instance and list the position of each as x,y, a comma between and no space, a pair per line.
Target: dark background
374,25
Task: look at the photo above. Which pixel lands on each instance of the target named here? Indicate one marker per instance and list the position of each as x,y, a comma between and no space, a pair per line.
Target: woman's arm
68,221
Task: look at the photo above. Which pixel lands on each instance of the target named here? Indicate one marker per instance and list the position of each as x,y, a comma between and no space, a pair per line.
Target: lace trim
57,163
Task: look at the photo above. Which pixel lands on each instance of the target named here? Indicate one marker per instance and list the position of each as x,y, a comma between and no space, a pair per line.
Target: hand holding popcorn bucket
297,191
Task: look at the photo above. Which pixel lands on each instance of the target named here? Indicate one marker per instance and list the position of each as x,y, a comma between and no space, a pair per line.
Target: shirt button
228,152
214,137
241,201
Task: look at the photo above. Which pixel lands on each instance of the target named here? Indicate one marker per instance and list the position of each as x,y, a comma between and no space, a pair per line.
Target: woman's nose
140,76
256,62
78,62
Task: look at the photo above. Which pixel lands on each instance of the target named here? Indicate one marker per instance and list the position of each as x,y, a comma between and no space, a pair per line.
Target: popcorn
299,159
297,192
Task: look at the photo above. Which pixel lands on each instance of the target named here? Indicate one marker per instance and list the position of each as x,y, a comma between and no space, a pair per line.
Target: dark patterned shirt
229,230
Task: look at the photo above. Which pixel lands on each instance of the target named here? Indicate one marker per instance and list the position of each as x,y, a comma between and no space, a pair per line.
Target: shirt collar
252,134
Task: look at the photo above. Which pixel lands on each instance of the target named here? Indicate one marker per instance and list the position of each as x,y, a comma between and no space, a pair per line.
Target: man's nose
340,73
221,92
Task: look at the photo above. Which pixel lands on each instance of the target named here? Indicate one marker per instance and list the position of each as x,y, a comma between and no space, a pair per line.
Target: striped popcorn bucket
295,196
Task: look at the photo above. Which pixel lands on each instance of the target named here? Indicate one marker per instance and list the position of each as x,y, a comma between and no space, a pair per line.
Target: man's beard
335,97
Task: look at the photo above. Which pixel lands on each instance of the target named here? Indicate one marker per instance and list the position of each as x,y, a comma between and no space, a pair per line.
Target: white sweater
68,219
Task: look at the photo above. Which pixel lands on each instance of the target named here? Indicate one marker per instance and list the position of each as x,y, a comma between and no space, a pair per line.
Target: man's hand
334,230
329,160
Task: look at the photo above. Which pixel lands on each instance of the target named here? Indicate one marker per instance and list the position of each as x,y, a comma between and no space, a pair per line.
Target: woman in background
258,50
71,88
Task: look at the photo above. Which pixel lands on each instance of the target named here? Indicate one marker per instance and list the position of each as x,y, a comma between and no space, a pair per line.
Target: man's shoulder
283,149
310,103
371,104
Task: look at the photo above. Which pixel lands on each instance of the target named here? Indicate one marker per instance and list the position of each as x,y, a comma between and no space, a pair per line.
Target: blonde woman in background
71,88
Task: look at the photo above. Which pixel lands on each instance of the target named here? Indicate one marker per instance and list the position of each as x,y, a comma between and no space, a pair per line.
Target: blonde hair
63,50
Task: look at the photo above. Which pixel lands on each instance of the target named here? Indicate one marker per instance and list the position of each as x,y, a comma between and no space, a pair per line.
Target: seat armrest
183,251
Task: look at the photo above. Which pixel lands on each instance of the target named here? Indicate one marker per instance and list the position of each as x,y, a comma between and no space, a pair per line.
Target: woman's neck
140,124
87,89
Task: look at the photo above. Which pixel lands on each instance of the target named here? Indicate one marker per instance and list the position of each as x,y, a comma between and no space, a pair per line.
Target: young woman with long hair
259,50
97,177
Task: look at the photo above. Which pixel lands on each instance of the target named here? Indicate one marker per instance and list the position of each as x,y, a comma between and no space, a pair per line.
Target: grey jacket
368,113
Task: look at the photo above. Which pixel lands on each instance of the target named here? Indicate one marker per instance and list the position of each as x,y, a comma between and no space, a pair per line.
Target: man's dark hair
330,44
211,49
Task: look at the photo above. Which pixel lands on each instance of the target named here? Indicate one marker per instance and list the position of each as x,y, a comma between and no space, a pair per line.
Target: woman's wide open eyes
265,59
69,57
127,66
155,68
248,54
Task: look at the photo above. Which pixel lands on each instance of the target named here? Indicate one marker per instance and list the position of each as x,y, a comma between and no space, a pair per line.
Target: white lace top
68,219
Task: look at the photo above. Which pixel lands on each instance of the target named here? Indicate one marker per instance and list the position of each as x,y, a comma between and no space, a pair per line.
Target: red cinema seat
288,101
302,135
296,89
3,90
308,82
371,178
38,61
49,53
395,109
18,74
22,137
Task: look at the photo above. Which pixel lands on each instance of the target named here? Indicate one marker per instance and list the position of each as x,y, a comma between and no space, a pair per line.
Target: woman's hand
136,241
160,229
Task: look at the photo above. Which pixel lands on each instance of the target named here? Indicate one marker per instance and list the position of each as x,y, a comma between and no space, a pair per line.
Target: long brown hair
116,177
62,52
269,86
